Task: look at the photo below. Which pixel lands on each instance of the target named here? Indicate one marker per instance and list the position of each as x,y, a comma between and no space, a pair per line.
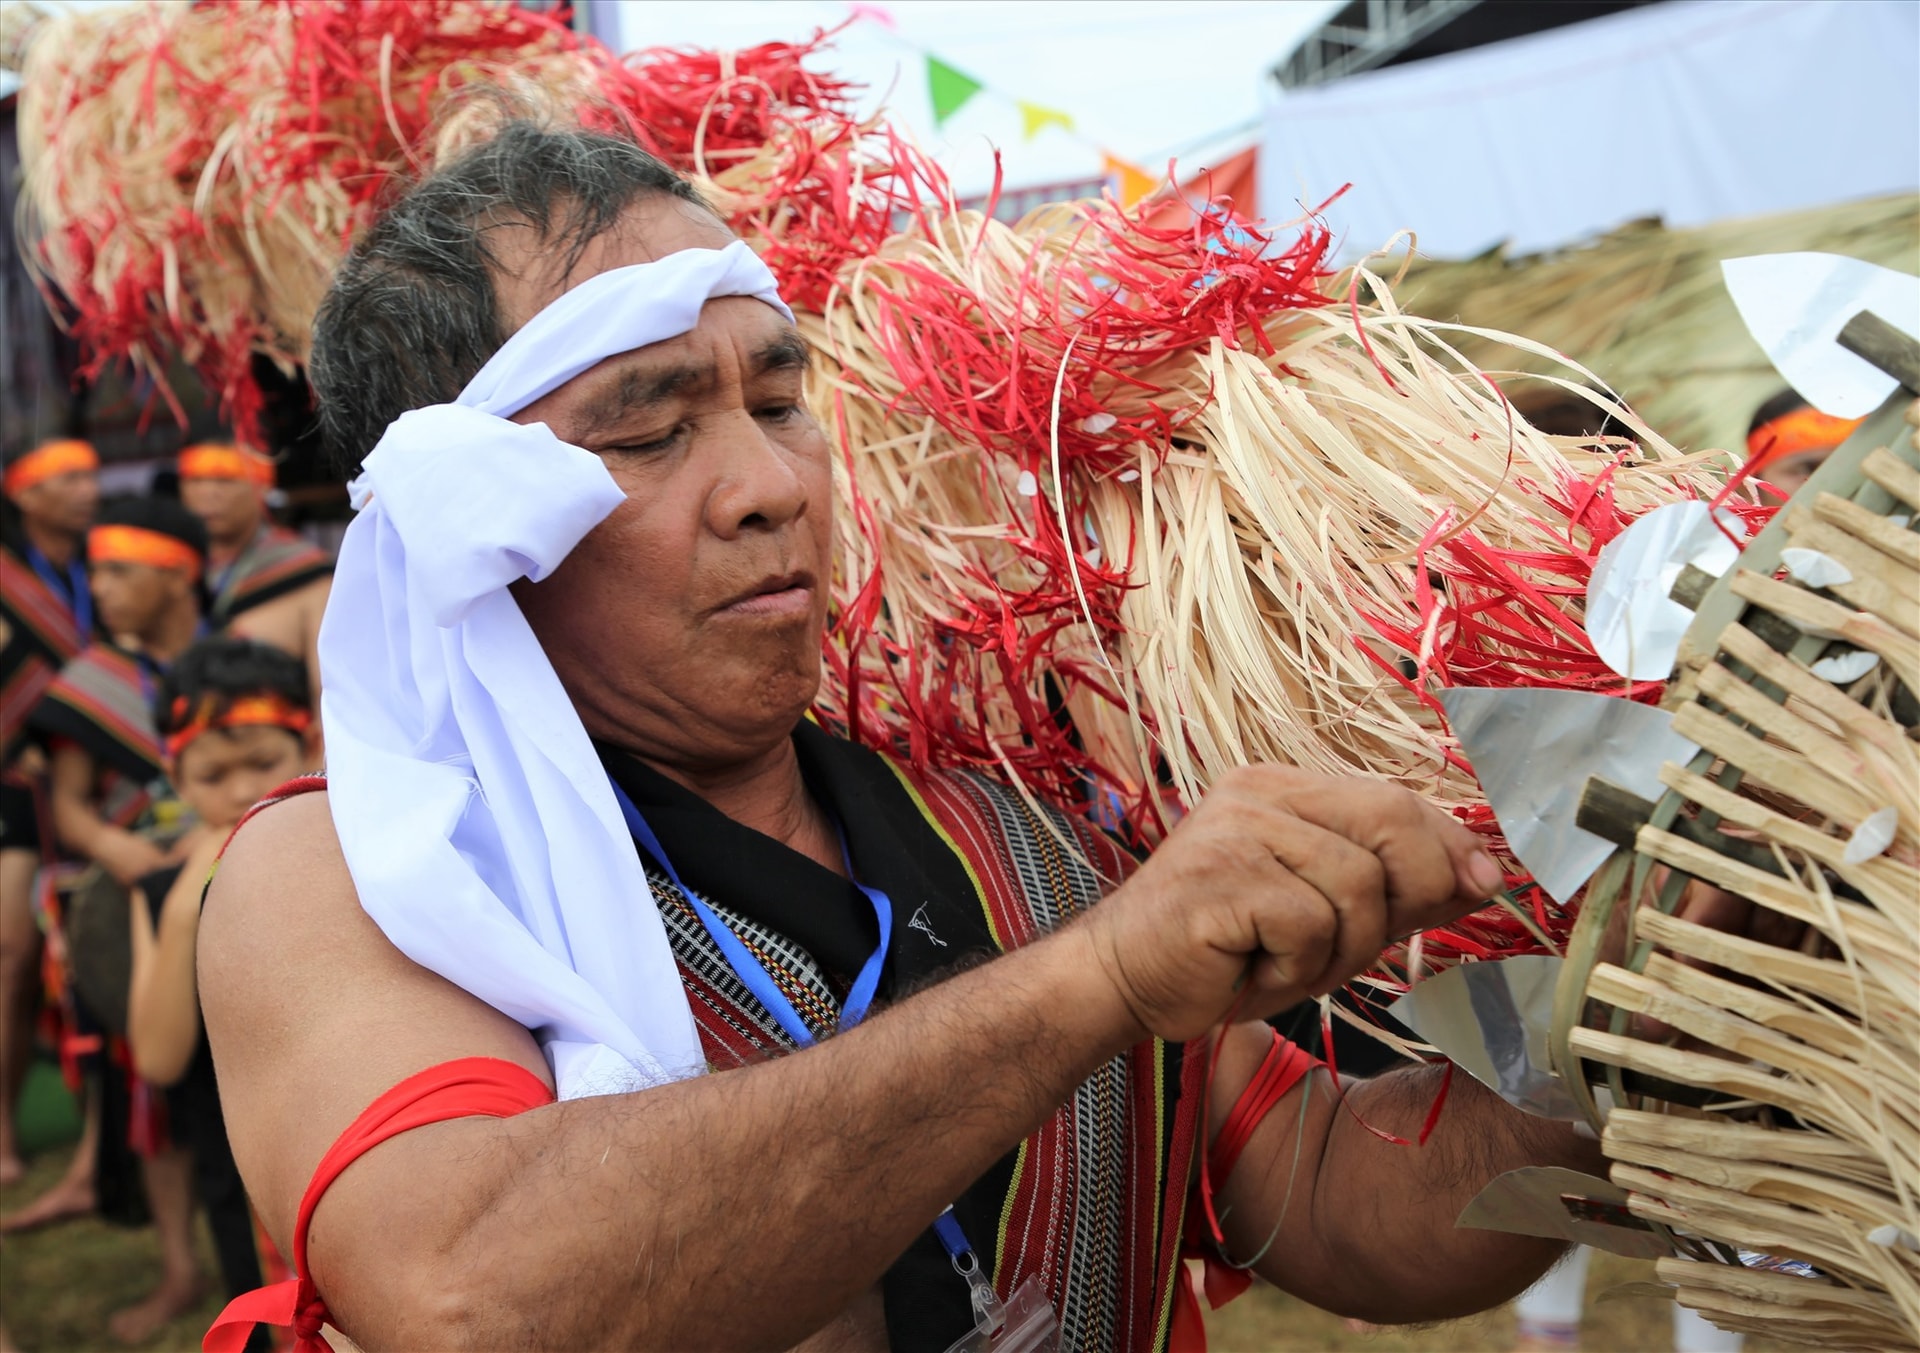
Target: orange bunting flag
1035,119
1131,182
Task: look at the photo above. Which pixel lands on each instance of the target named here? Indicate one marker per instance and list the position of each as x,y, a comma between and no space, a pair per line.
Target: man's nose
759,485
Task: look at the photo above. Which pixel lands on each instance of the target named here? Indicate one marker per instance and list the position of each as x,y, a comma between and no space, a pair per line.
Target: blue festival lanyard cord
761,983
748,968
217,582
73,588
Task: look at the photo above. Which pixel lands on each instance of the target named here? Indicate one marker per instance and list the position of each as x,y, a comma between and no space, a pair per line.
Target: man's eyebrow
788,352
636,390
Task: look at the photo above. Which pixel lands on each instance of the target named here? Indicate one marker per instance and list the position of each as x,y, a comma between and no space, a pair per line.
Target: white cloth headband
476,820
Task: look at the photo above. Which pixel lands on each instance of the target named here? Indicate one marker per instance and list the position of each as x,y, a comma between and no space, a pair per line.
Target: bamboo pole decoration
1816,1156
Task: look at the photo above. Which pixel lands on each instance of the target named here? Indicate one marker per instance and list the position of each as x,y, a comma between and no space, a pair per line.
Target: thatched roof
1644,308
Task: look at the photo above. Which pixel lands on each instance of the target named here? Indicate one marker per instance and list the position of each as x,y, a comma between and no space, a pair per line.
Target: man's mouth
780,595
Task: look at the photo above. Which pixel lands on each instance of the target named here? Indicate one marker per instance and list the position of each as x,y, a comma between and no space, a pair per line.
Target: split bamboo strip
1785,969
1757,1301
1893,474
1879,583
1818,615
1636,1129
1897,542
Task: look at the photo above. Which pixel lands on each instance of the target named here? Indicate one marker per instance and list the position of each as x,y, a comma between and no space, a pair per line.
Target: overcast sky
1142,78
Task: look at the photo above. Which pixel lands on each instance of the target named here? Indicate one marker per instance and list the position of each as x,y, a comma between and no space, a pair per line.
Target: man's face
65,503
225,771
687,625
231,508
130,597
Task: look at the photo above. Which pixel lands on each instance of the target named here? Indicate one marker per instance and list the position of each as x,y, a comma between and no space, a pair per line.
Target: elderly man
678,924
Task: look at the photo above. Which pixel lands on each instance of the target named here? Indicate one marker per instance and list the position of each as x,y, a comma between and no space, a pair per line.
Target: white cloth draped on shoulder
476,820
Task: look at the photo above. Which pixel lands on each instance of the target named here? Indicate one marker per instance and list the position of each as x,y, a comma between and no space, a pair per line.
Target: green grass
58,1287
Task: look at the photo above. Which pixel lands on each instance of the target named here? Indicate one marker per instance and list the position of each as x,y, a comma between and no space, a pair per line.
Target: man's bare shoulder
311,1011
281,883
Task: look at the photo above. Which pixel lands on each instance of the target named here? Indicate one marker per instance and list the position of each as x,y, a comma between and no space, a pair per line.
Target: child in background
236,721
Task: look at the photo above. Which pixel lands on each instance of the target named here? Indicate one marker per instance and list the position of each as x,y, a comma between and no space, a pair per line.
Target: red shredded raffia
816,191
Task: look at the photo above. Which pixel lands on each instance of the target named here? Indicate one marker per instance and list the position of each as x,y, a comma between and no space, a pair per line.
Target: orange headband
47,462
272,711
1802,429
214,460
138,545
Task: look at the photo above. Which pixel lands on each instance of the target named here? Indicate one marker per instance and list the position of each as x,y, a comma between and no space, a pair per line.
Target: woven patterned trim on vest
274,563
1098,1193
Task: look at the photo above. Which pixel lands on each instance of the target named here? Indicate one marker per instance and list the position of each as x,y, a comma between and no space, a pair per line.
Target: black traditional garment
40,631
275,562
102,701
1094,1202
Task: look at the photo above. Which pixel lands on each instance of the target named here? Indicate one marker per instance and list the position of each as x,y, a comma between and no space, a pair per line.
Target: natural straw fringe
1646,307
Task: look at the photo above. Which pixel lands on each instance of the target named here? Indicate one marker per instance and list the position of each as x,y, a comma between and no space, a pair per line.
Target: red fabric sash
1278,1073
470,1087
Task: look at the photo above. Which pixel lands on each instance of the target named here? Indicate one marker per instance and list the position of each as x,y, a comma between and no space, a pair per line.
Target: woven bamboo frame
1807,1145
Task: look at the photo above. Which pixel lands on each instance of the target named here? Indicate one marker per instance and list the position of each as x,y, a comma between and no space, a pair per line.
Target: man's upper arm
312,1014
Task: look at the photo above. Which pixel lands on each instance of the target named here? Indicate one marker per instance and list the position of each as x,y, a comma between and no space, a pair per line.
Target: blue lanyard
73,587
217,582
748,968
151,669
760,982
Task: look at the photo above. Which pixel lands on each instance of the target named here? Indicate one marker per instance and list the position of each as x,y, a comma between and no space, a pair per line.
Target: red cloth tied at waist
471,1087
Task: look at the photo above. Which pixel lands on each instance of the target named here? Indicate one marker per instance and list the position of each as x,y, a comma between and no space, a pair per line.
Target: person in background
264,581
148,558
236,721
1789,438
46,618
110,807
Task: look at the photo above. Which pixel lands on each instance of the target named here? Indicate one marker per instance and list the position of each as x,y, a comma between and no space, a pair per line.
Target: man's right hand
1282,884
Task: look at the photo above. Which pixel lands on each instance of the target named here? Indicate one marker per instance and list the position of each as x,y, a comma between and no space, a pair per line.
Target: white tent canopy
1692,112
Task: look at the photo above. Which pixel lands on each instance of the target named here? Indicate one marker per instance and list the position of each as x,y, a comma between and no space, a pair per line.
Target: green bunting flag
950,89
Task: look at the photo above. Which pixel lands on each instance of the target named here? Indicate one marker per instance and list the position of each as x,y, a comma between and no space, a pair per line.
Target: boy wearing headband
147,558
236,721
1789,438
46,617
263,580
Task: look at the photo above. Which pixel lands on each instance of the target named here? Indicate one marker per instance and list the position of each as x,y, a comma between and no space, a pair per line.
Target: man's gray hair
411,316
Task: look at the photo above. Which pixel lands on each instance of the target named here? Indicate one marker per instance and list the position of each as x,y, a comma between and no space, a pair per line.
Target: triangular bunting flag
1131,182
950,89
1034,119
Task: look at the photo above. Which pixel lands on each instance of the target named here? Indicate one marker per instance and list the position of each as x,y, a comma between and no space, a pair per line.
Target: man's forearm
739,1209
1383,1215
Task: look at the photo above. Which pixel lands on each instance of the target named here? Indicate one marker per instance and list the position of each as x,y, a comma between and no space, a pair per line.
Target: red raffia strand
1128,297
355,97
305,84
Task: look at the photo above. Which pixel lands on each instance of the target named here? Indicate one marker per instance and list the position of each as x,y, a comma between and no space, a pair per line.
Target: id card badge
1023,1324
